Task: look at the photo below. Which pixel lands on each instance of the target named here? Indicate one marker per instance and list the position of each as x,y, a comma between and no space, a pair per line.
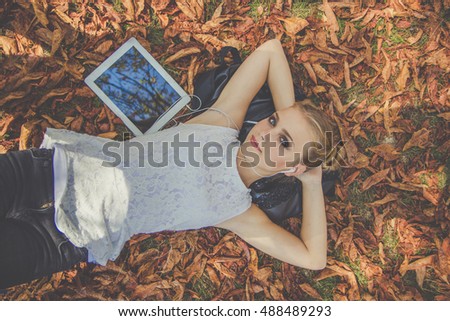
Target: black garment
31,246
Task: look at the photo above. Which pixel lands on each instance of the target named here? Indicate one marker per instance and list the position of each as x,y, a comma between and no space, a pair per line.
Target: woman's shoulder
214,117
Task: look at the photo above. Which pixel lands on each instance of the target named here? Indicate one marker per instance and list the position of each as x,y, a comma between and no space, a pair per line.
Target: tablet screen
137,89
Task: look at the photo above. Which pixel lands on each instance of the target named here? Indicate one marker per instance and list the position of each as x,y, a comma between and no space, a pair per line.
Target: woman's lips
254,143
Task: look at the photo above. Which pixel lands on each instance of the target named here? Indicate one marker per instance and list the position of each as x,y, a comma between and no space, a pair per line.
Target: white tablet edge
164,118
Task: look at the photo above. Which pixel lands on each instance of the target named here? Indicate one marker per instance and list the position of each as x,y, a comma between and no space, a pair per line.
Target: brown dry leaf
253,264
53,93
182,53
57,38
310,71
191,8
388,198
413,39
423,262
323,74
159,5
360,160
215,22
110,135
343,270
263,274
104,47
387,151
8,45
374,179
146,290
418,139
213,276
205,39
5,122
332,21
345,237
440,58
386,73
54,123
192,71
293,25
275,293
336,100
40,9
403,76
348,82
28,132
310,291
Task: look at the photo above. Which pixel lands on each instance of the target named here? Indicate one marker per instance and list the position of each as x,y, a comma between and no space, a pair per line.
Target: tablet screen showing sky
137,89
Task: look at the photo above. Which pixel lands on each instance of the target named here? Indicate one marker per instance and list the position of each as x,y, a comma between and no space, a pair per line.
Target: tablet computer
137,89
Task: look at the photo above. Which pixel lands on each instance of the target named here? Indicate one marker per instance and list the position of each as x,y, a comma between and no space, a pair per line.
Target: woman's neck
247,173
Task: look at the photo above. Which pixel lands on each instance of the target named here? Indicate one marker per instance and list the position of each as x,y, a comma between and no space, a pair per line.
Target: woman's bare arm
314,221
257,229
267,63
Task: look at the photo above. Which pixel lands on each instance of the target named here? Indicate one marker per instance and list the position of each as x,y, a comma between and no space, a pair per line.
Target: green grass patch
355,266
204,287
211,6
356,92
325,287
359,199
341,23
117,5
408,155
304,9
406,199
431,287
155,35
438,155
371,141
264,4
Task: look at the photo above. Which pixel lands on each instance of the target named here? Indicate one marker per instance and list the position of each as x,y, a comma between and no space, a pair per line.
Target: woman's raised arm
267,63
256,228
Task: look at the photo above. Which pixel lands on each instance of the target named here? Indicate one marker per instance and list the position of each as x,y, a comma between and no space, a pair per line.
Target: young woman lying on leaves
69,201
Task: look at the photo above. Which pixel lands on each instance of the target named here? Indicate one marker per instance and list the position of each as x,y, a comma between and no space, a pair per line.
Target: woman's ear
299,169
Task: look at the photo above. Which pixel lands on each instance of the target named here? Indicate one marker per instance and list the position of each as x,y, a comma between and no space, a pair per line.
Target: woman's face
274,143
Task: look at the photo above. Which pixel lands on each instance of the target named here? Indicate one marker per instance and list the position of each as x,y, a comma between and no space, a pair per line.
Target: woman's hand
310,176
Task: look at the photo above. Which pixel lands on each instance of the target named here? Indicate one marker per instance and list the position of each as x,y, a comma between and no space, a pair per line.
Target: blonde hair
321,123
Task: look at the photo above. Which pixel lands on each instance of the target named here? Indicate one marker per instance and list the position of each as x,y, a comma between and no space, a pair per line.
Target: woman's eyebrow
284,130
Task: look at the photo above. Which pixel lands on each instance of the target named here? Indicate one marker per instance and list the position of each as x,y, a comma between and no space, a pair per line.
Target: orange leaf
374,179
182,53
310,291
386,73
388,198
345,237
323,74
387,151
40,8
191,8
293,25
418,139
403,76
9,45
336,100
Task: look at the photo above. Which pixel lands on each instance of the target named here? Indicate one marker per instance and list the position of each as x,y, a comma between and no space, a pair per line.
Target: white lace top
100,207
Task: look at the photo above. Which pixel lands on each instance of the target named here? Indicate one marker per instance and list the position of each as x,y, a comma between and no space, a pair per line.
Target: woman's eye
284,142
272,121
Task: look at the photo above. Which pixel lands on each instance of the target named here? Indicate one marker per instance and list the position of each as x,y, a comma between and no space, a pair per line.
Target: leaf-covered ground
382,71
